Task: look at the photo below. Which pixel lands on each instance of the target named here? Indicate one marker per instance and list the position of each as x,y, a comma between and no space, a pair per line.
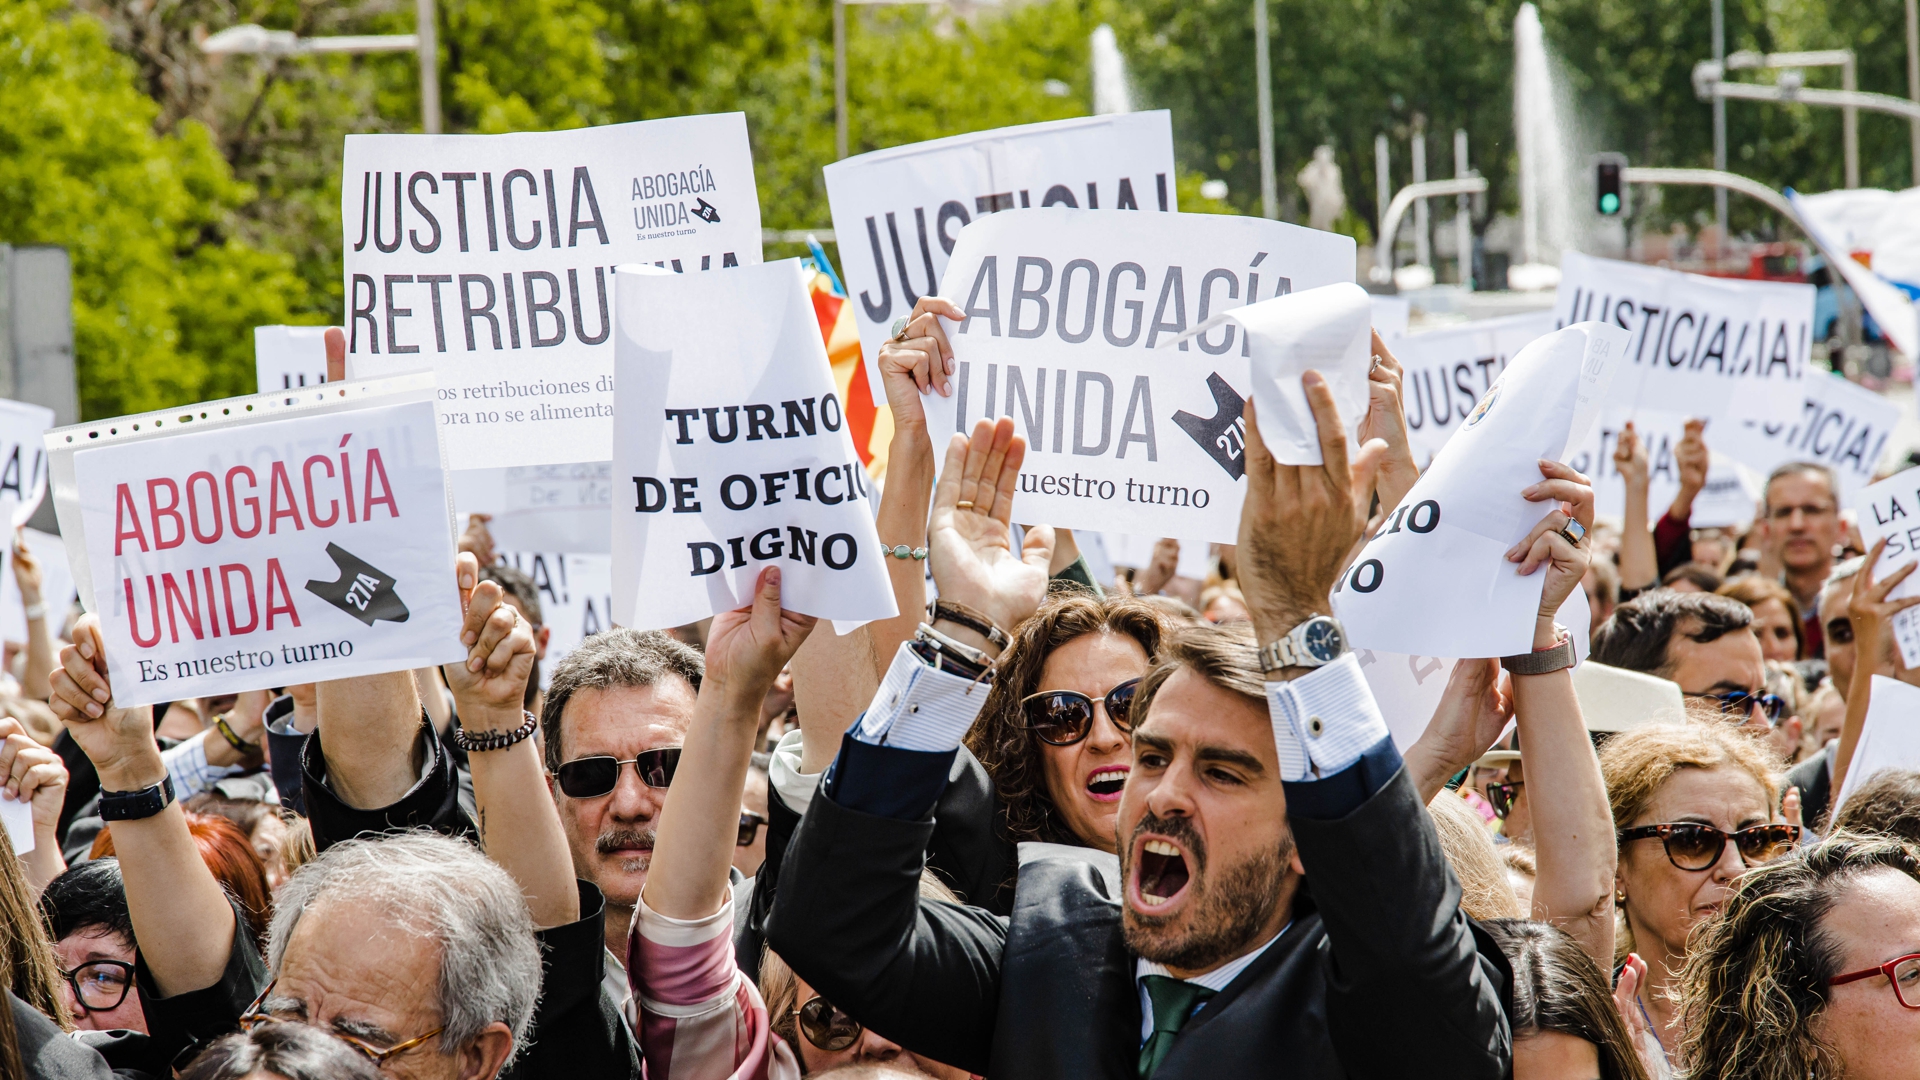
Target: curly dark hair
1756,977
1000,738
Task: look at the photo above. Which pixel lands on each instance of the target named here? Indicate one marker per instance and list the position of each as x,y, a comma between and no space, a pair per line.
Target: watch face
1324,642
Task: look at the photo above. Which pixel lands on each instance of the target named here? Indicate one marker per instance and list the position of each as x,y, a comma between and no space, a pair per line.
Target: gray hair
612,658
445,889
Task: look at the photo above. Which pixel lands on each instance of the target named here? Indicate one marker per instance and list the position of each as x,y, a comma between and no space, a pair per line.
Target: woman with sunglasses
1810,970
1055,735
1693,809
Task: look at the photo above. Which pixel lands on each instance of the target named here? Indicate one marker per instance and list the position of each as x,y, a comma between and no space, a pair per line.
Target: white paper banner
734,454
17,819
1891,509
899,211
1325,330
1067,310
1840,424
289,357
1435,578
232,553
489,258
23,459
1448,371
56,586
1730,351
576,599
1890,738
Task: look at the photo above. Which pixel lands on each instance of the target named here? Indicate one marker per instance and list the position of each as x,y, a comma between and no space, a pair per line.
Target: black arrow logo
363,591
1224,434
705,211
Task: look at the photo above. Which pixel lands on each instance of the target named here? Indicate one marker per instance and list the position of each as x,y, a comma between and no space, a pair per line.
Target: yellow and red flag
870,425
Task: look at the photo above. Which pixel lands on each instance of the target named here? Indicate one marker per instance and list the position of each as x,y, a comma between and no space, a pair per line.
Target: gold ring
964,504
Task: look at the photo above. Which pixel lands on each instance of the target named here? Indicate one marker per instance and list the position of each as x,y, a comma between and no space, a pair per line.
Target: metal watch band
1542,661
136,805
977,621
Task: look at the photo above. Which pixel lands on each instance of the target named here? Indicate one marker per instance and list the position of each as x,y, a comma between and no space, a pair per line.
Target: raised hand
1547,545
748,647
969,541
118,741
1300,521
477,540
32,773
1691,458
1630,457
492,680
1160,569
919,360
1473,711
26,572
1386,420
1871,613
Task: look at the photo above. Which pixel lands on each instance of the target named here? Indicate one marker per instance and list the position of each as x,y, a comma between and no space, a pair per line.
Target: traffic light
1610,185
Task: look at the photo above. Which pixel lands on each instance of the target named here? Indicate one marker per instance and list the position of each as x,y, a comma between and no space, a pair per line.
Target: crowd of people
1041,826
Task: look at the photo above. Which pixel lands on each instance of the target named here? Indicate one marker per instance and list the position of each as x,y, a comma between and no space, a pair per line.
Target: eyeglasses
100,985
254,1017
592,777
1698,847
1741,703
1782,513
1064,717
826,1026
1840,631
750,823
1902,971
1503,796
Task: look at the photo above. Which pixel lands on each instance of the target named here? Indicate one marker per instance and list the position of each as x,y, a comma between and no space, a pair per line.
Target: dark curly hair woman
1055,734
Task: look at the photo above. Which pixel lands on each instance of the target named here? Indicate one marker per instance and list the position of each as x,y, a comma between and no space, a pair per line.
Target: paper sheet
17,818
1891,509
1890,738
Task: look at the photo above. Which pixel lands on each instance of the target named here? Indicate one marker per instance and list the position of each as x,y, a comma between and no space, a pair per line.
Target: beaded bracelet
902,551
496,740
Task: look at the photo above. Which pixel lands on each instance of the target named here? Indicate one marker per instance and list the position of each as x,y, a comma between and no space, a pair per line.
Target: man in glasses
1700,641
1814,776
1803,528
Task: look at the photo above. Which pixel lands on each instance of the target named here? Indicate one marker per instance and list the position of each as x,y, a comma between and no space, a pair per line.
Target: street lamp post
1263,87
251,39
1709,82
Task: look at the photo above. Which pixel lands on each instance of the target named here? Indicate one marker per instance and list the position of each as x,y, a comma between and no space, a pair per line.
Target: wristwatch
1314,643
1543,661
136,805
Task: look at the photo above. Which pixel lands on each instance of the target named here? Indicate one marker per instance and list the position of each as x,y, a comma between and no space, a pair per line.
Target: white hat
1615,699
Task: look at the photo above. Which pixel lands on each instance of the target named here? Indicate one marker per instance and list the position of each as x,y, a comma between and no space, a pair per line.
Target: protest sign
1447,371
250,543
1840,424
920,197
1067,309
733,454
1325,330
1890,738
23,459
576,599
489,258
16,818
289,357
1890,509
1435,578
1725,350
553,508
56,586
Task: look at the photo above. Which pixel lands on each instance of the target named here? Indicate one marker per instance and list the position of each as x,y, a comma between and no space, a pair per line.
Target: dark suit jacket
1379,974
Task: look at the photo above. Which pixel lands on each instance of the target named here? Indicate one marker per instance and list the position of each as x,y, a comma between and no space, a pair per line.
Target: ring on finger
1573,531
900,329
963,504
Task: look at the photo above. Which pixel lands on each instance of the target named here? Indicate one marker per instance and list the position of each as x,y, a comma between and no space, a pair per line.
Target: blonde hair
1485,891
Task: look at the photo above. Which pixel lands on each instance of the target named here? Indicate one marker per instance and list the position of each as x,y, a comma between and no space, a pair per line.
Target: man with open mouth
1281,905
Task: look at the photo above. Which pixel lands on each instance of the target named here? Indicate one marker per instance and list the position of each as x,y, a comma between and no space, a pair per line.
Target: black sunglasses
1697,847
827,1027
592,777
1502,796
1740,703
750,823
1064,717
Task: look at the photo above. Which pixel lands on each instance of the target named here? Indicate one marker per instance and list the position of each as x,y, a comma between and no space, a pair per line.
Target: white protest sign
1725,350
1435,577
1840,424
576,599
56,586
1890,509
898,212
258,544
556,508
489,258
289,357
733,454
1067,310
1325,330
16,818
1446,372
1890,738
23,459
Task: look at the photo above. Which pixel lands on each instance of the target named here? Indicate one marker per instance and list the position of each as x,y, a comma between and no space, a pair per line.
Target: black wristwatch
136,805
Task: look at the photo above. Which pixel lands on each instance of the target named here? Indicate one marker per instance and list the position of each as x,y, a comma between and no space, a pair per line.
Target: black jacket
1379,974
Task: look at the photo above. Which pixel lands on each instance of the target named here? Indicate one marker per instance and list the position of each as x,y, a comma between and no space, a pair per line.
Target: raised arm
27,574
1639,562
519,827
1874,651
33,774
181,916
1386,420
1573,839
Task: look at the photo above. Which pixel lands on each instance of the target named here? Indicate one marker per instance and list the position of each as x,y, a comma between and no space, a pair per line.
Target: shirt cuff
794,787
191,774
1323,721
921,707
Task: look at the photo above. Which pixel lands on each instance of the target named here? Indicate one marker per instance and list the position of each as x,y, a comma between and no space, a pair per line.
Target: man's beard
1221,919
617,838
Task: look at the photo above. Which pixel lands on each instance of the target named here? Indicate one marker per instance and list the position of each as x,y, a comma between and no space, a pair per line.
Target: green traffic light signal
1609,203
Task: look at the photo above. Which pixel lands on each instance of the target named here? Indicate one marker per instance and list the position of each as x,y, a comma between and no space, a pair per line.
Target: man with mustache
1281,904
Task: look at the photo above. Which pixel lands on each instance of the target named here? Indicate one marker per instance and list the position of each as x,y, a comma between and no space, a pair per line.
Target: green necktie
1173,1002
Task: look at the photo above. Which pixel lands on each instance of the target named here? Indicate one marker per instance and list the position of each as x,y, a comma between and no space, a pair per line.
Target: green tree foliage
164,296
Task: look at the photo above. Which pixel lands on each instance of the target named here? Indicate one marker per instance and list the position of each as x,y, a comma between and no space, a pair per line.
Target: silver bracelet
36,611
